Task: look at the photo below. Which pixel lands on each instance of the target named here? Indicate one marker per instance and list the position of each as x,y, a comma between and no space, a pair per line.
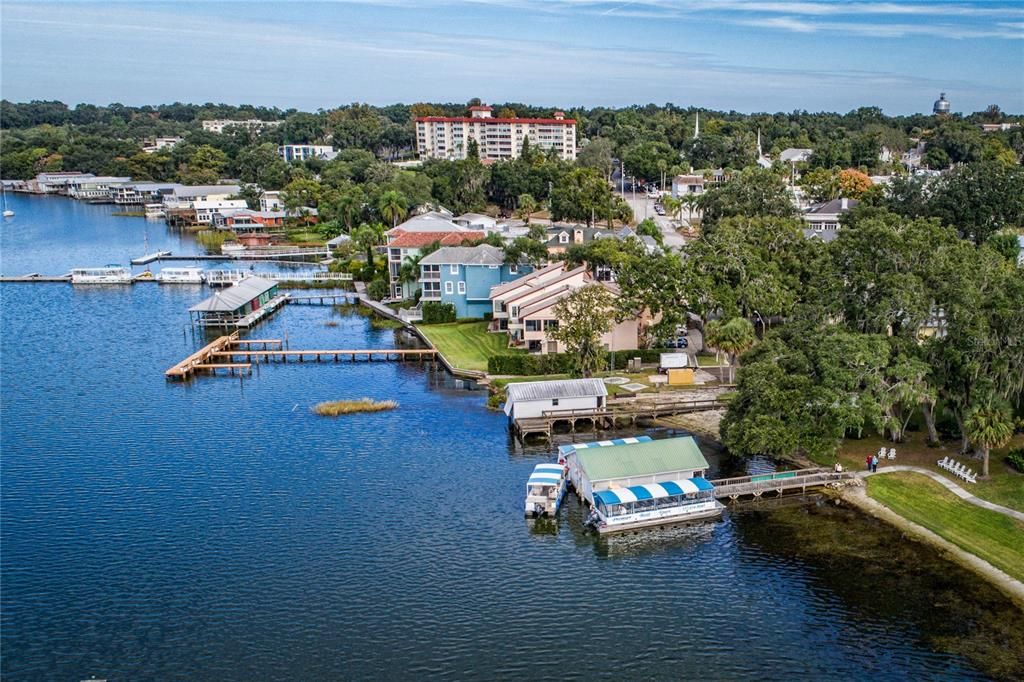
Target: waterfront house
231,306
405,241
240,220
206,209
93,187
54,183
138,193
525,309
465,275
594,469
533,398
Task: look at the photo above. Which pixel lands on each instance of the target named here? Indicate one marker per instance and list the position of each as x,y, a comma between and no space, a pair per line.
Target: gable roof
548,390
484,254
525,279
429,222
641,459
540,286
235,296
835,206
412,240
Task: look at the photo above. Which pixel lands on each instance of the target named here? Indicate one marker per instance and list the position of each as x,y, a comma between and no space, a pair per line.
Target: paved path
952,487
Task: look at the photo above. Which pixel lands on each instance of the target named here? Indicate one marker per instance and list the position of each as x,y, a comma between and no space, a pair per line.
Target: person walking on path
874,463
867,460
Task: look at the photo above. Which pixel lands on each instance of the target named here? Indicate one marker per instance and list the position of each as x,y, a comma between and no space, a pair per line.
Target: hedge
561,363
435,312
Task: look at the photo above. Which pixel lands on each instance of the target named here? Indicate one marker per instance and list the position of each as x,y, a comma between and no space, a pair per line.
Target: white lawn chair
970,476
881,453
944,462
892,453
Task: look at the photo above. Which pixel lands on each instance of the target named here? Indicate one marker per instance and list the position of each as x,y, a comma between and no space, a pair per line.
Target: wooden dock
778,483
335,355
234,354
150,257
614,413
36,277
324,299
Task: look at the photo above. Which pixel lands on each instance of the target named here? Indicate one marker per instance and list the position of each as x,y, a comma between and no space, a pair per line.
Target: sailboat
8,213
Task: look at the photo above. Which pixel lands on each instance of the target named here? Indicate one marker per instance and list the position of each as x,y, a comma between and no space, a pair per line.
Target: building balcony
431,296
430,277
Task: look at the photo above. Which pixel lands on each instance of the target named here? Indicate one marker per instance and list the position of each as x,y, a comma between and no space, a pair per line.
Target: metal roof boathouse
240,305
638,482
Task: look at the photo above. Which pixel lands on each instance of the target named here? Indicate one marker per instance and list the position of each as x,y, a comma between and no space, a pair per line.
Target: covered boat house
534,398
238,306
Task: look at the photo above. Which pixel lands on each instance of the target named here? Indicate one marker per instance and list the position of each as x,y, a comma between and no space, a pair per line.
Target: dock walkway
613,413
778,482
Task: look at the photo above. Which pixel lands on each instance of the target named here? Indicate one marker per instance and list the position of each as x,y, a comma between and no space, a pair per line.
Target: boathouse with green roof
612,466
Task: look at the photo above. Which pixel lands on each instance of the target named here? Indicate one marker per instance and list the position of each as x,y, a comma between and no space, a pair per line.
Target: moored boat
108,274
180,276
653,504
545,489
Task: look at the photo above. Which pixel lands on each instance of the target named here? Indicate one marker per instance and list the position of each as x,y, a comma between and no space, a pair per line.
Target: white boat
108,274
180,276
545,489
653,504
232,248
225,278
8,213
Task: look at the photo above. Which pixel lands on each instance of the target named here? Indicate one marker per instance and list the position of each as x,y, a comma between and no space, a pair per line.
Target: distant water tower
941,105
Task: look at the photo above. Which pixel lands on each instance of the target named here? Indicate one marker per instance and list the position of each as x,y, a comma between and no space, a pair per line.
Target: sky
742,55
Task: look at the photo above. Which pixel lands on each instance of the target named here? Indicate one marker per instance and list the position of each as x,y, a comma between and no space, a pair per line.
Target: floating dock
150,257
613,413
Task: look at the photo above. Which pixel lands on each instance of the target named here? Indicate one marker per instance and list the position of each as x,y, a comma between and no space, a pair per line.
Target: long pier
778,482
613,413
233,354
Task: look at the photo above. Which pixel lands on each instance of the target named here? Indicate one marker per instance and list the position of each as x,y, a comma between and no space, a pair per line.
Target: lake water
220,530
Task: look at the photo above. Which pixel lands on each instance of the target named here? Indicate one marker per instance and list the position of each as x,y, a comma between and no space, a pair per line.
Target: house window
550,324
453,269
448,288
462,287
533,325
563,238
513,269
554,402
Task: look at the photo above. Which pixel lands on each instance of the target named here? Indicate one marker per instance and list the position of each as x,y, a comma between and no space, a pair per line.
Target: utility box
680,377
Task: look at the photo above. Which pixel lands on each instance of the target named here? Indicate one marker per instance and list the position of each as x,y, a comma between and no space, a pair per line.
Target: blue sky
747,55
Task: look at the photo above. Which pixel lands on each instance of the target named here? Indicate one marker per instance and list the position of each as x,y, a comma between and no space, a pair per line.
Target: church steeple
759,152
696,127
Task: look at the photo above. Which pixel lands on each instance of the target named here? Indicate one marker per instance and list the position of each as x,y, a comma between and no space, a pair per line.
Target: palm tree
409,272
734,337
526,205
989,425
672,206
692,203
393,206
367,236
349,207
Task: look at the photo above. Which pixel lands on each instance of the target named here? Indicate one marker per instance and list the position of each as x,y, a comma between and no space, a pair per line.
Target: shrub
378,289
529,365
1015,458
334,408
435,312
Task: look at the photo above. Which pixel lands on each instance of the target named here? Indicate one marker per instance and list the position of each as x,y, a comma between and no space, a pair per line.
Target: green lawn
466,345
996,538
1003,486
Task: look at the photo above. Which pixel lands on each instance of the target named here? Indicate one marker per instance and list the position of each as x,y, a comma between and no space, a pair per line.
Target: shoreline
706,426
857,496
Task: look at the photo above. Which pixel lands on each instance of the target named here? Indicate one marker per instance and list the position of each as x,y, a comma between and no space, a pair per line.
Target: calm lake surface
220,530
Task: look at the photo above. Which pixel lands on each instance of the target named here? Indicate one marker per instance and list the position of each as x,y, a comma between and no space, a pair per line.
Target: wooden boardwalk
233,354
613,414
778,482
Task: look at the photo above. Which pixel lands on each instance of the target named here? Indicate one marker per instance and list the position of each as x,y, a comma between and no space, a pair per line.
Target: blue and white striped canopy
566,449
545,474
652,491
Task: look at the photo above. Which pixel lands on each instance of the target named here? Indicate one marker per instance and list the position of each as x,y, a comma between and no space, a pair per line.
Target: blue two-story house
464,275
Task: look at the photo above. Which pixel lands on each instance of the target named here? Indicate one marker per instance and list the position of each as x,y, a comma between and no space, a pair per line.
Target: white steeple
696,127
759,152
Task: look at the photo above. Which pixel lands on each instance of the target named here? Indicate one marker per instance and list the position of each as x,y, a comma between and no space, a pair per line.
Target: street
643,207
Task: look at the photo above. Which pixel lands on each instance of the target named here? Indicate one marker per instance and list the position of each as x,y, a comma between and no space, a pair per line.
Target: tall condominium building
443,137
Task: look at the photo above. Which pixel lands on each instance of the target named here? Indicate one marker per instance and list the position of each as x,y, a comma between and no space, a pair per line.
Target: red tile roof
412,240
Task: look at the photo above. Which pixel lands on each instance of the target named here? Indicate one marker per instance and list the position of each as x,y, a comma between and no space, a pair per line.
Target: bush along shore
335,408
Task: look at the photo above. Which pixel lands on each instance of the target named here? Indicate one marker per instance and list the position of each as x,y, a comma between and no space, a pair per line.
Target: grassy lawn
1004,485
466,345
708,361
994,537
613,390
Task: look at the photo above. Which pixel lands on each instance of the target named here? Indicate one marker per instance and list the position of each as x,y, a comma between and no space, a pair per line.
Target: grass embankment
334,408
1003,486
466,345
994,537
